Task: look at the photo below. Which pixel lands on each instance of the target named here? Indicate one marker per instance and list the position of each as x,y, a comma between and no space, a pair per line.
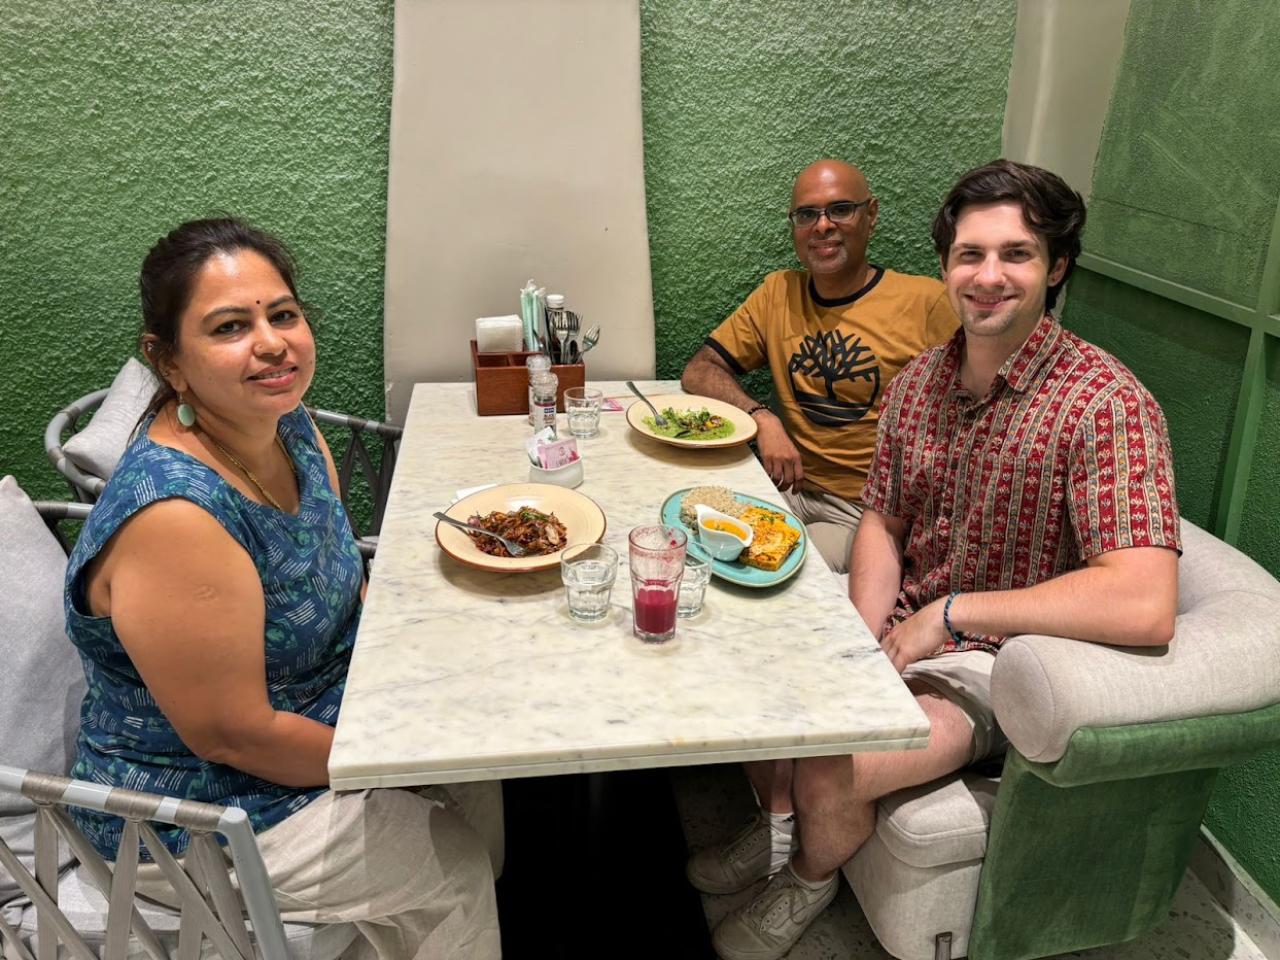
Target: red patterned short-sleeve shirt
1065,458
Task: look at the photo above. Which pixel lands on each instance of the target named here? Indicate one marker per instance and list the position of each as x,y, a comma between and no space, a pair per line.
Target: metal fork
658,421
512,548
561,325
590,338
575,324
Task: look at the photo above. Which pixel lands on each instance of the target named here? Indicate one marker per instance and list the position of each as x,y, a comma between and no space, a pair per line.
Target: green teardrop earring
186,413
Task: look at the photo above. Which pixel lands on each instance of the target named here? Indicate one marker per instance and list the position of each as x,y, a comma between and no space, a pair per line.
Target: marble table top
459,674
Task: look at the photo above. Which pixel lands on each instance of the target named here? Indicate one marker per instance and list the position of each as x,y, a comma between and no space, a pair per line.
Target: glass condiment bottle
538,364
544,389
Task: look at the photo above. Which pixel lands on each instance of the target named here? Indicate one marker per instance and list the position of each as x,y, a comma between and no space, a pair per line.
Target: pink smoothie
655,608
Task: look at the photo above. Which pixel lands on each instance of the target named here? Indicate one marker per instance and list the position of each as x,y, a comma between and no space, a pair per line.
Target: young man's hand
916,637
780,456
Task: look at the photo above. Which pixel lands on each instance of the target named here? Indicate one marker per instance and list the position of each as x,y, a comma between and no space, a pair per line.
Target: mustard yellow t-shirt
832,359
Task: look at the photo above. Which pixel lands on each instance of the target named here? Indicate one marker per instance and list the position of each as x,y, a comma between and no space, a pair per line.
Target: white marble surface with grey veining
459,674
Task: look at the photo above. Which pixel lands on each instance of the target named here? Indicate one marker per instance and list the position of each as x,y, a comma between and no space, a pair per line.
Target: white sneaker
736,863
769,926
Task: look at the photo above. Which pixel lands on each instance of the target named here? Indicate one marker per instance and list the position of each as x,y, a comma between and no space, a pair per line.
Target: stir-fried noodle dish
537,532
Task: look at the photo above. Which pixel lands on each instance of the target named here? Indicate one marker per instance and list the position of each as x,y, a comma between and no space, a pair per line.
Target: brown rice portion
717,498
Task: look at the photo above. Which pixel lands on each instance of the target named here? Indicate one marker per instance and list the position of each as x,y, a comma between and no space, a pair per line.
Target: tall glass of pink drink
657,564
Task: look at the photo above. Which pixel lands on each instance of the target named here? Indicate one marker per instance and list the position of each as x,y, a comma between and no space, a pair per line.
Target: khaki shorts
964,678
830,521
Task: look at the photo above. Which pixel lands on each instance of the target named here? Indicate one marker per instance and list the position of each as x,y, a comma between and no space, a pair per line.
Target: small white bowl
570,475
721,545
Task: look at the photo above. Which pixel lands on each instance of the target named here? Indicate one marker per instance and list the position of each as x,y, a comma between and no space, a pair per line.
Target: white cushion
99,446
42,682
86,908
1224,658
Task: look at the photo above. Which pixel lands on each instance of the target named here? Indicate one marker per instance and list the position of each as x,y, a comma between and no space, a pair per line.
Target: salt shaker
538,364
544,388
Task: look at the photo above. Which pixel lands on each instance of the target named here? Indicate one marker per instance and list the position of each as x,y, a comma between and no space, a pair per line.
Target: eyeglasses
840,212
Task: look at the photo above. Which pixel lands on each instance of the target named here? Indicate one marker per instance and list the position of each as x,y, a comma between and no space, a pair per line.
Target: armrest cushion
1224,658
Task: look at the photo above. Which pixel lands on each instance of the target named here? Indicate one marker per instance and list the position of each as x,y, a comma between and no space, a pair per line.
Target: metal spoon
658,421
512,548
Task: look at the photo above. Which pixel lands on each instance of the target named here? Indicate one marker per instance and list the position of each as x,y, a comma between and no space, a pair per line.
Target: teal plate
735,572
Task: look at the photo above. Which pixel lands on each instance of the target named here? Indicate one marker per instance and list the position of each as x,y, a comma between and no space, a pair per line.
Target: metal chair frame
86,488
210,905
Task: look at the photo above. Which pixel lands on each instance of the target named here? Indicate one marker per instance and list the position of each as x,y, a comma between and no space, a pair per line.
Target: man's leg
836,796
835,807
830,521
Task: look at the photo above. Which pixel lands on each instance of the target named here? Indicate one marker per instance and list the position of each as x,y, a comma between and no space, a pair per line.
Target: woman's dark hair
1051,209
168,275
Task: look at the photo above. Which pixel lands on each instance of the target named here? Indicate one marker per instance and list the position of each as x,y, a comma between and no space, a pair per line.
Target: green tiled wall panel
1186,181
122,119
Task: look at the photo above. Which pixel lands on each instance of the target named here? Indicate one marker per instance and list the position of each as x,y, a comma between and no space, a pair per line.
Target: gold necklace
249,473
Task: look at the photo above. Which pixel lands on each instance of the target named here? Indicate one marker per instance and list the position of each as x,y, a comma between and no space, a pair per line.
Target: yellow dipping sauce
724,526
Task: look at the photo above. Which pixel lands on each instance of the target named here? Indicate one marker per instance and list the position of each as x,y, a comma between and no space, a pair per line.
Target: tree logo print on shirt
826,360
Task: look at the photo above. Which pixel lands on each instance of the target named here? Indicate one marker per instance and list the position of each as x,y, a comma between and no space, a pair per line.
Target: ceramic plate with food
692,421
541,517
778,544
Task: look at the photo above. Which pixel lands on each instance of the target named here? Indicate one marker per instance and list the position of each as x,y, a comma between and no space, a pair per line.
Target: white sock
782,840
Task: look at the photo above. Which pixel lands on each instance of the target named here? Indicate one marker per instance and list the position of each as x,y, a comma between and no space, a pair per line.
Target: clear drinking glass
582,405
693,586
588,572
657,566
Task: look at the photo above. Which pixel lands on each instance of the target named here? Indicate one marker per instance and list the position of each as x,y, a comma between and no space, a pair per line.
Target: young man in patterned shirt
1022,483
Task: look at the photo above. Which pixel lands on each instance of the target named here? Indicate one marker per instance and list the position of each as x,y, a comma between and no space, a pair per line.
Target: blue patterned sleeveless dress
311,575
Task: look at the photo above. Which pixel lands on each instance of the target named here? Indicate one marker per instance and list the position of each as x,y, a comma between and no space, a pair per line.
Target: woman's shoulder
150,473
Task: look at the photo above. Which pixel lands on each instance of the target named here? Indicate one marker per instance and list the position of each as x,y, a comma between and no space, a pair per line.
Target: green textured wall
1185,190
123,118
739,95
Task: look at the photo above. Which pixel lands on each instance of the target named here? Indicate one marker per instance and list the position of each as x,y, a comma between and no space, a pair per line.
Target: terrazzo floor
713,800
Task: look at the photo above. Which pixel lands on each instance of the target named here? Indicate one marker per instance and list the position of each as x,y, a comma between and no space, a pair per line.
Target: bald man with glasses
833,335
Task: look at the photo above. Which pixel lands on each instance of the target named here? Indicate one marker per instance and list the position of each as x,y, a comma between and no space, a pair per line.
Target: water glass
657,557
693,586
582,404
588,572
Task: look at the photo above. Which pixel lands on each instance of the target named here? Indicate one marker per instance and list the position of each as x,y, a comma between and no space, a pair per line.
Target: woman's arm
333,482
187,603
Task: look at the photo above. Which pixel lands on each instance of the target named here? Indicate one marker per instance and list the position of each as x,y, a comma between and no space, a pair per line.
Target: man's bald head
834,172
835,254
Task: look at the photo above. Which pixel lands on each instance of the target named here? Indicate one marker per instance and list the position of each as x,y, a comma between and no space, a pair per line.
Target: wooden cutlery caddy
502,381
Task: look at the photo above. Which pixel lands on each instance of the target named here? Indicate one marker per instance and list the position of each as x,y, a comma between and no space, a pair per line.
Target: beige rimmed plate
744,427
582,517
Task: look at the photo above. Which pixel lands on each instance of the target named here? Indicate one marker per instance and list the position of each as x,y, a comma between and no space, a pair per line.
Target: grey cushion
99,446
941,822
42,682
86,908
1224,658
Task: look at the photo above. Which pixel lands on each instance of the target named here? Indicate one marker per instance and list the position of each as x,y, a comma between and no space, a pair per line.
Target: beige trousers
831,522
413,870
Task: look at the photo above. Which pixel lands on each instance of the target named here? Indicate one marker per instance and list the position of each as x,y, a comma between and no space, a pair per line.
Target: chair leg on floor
942,946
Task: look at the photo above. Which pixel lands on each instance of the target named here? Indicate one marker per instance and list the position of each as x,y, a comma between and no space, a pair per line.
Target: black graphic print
826,360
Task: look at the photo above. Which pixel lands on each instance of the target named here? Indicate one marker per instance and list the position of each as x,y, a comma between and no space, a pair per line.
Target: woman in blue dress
214,595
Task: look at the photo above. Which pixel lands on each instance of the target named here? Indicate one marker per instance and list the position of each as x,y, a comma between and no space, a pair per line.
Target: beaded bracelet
757,408
960,639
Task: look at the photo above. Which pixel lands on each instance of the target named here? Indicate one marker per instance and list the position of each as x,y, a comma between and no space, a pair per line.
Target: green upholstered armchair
1084,836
